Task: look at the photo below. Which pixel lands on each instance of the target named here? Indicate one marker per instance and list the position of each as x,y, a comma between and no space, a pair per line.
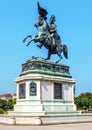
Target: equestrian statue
47,35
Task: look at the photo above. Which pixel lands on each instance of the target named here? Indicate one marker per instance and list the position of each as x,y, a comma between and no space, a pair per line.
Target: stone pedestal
44,88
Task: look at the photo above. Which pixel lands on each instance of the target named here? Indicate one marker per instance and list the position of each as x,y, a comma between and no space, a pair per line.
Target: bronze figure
47,35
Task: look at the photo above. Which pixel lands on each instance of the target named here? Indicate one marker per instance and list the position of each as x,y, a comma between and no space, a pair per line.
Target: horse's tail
65,51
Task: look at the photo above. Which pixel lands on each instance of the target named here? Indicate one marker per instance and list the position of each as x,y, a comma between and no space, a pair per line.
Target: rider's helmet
52,18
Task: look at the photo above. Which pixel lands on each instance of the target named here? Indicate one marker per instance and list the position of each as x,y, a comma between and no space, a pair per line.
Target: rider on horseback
53,32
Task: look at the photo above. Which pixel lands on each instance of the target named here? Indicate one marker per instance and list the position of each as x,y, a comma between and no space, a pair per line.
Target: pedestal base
43,107
43,89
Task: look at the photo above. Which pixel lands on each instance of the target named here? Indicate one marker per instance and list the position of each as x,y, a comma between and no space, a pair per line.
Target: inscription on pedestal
22,91
33,89
57,91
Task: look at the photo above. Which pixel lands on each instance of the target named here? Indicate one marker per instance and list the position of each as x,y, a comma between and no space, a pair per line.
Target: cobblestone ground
77,126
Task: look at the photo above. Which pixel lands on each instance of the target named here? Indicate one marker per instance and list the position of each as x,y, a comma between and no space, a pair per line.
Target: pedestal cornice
40,66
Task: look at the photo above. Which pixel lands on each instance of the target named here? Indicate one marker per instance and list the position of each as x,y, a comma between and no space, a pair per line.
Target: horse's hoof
47,59
27,44
56,62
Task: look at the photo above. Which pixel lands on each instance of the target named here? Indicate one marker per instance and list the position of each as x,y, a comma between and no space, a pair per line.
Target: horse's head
40,22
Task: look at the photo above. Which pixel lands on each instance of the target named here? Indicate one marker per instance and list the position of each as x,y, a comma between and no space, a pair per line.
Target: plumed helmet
52,17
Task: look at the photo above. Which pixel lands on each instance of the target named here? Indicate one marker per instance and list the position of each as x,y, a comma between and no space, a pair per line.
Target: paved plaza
77,126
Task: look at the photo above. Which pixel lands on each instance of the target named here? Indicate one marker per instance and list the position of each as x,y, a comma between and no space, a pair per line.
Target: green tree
6,105
13,101
1,111
2,104
84,101
9,104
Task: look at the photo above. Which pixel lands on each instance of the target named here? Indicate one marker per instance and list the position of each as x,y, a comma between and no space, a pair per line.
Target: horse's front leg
24,40
29,36
30,42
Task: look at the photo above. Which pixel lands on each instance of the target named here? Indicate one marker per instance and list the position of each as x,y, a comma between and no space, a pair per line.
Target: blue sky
74,25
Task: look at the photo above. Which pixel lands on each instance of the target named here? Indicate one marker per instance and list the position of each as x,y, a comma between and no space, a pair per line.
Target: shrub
1,111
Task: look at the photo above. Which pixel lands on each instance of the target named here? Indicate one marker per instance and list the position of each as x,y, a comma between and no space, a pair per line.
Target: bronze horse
45,39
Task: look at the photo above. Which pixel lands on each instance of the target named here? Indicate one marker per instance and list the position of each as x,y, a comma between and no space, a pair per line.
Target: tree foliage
1,111
84,101
7,104
2,104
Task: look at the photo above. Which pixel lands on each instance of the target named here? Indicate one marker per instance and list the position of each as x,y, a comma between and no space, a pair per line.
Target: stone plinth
44,88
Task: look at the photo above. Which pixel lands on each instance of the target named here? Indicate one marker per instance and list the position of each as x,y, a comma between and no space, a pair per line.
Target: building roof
7,96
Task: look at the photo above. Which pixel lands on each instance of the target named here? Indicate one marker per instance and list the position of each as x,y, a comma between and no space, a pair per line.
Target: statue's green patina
38,65
47,35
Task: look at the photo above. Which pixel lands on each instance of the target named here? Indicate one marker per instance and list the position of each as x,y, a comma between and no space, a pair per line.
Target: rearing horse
45,39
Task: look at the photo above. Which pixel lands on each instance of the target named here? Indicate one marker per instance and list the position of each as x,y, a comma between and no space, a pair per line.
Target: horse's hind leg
60,57
49,54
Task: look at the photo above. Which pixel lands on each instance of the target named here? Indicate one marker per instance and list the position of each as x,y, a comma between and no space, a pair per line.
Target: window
33,89
22,91
57,91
